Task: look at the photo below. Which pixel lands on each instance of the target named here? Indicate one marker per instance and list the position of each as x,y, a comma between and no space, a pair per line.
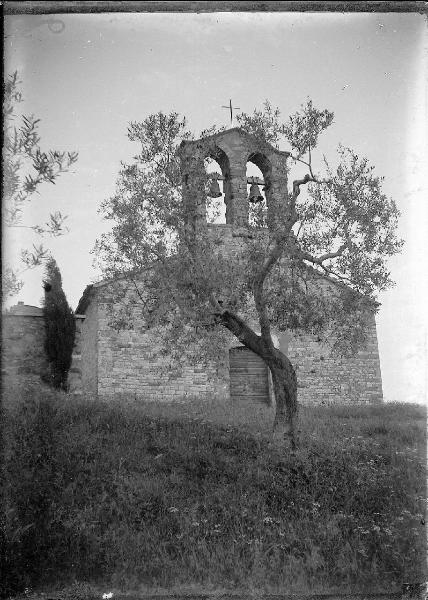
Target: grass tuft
194,494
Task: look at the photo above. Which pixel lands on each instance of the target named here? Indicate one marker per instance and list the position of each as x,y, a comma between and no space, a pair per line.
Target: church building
124,362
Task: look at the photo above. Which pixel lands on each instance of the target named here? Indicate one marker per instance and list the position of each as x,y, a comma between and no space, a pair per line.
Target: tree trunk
285,388
283,375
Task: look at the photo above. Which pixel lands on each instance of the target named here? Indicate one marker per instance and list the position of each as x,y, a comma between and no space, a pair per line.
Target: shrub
60,327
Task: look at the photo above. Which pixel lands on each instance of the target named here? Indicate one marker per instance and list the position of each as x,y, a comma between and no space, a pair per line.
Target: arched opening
218,186
216,208
258,171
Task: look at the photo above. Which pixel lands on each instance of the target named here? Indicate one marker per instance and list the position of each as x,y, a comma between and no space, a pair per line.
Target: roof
90,290
341,284
85,300
250,137
25,310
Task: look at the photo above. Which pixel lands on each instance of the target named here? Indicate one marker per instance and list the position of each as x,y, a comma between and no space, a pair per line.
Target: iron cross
231,108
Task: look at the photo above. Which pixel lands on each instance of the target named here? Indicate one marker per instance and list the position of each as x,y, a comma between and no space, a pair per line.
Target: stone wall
23,335
23,358
325,378
110,363
129,362
322,376
75,380
89,349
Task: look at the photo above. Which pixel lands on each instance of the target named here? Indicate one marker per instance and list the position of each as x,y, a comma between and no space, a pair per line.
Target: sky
87,76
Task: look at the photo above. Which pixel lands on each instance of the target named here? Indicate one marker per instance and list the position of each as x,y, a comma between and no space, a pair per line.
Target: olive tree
25,168
314,266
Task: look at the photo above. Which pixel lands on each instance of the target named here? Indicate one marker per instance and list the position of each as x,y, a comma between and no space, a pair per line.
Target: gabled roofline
341,284
244,133
23,310
90,289
85,300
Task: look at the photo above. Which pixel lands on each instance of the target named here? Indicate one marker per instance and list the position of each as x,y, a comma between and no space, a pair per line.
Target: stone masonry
23,358
125,362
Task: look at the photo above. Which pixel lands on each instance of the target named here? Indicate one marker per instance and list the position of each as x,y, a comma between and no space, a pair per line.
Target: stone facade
23,357
126,363
325,378
107,363
23,335
89,335
75,374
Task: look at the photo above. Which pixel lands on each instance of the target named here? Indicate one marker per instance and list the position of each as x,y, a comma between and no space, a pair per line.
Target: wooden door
248,376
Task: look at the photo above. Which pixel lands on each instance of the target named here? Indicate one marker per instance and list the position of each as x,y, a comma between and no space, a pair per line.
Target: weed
164,496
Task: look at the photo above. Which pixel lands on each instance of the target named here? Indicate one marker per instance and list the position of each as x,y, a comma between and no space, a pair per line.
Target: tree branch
238,327
273,257
328,271
298,182
306,163
320,259
286,239
263,314
338,275
271,260
137,289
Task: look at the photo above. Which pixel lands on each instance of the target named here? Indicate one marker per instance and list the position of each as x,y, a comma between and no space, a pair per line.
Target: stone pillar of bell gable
194,198
277,194
235,147
239,194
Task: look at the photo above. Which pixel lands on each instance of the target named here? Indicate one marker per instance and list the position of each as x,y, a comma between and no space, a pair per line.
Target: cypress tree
60,327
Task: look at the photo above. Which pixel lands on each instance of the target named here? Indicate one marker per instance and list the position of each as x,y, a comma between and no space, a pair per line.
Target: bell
214,191
255,194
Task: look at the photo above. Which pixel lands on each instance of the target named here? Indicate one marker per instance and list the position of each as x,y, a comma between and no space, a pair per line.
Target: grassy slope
170,496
